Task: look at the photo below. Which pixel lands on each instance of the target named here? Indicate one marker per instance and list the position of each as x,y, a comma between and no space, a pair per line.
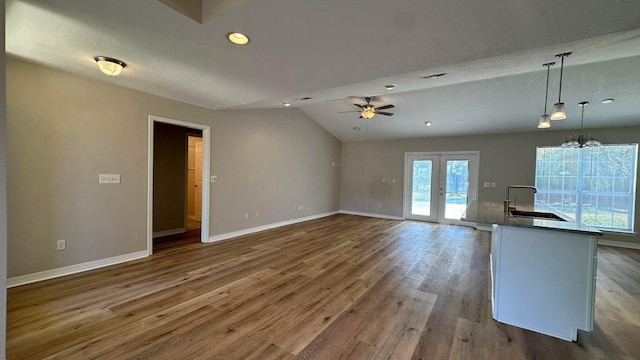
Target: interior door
439,186
198,168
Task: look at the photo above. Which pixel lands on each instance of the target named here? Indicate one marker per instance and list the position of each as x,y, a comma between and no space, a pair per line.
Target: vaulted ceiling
339,51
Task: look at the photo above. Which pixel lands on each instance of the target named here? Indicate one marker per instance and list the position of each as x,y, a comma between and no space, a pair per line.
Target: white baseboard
252,230
381,216
169,232
73,269
622,244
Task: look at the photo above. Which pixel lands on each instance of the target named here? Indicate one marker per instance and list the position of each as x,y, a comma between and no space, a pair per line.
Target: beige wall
169,177
3,195
504,159
63,130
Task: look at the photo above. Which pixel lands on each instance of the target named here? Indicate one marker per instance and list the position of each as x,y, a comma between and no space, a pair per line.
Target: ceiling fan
368,110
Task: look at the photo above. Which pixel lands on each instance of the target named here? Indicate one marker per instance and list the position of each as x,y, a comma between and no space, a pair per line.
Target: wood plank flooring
341,287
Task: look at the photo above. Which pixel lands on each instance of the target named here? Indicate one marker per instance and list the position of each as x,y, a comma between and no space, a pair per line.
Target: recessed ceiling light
356,128
286,103
109,66
390,87
428,123
238,38
607,101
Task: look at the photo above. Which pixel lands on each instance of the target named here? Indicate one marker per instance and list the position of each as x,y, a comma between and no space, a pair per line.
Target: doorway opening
439,186
178,190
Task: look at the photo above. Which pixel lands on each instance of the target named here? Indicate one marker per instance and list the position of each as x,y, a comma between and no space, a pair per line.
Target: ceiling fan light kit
368,110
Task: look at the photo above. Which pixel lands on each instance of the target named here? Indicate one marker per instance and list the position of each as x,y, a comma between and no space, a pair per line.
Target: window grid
595,186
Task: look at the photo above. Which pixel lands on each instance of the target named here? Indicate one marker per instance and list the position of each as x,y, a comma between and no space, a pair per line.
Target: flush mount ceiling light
286,103
581,140
390,87
607,101
544,122
109,66
428,123
238,38
559,112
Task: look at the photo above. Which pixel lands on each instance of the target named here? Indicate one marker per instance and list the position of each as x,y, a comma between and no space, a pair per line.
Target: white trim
73,269
484,227
175,231
256,229
381,216
206,166
622,244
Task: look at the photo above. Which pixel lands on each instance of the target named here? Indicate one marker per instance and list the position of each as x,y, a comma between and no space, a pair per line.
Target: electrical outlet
109,179
257,214
214,178
246,216
61,244
379,205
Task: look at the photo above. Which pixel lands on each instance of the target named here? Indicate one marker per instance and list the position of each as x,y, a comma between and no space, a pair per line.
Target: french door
439,186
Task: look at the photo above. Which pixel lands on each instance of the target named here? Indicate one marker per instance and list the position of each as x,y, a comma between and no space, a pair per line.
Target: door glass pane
457,188
421,192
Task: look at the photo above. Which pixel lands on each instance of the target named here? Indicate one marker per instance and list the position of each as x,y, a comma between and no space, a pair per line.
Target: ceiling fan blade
341,112
383,113
385,107
358,105
360,117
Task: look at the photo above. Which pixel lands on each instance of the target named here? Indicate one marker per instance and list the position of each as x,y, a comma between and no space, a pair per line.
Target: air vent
433,76
304,98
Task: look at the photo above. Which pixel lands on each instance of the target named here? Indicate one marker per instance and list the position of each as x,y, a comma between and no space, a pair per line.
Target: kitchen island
542,271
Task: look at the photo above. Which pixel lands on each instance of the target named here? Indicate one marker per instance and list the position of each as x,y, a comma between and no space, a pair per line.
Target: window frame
575,210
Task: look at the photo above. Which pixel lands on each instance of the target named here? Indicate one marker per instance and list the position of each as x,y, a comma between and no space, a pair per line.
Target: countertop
493,213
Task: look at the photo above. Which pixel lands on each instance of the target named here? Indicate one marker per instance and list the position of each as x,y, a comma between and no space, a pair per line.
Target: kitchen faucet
507,201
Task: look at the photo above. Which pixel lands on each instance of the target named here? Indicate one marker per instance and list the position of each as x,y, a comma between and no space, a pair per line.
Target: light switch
487,184
109,179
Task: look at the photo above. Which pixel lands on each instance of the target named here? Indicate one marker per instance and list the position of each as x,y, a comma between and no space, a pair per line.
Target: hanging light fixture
109,66
581,140
558,108
544,122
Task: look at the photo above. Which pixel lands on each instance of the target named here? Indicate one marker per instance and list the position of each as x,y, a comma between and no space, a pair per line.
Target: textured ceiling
492,51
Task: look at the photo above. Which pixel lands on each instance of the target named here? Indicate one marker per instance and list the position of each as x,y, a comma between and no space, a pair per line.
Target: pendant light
581,140
558,109
544,122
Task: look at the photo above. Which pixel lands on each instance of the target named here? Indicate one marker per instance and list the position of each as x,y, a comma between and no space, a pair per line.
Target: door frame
473,187
206,156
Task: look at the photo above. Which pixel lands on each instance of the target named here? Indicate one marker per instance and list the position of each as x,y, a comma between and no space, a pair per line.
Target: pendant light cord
546,94
561,67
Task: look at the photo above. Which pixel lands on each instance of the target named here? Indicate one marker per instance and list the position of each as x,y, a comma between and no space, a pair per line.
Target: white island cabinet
543,279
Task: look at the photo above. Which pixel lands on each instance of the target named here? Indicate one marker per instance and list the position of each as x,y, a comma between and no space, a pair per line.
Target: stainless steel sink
536,215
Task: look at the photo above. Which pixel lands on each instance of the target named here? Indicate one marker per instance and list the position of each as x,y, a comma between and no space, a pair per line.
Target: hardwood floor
342,287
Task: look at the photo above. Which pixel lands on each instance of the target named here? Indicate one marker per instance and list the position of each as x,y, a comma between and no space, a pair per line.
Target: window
595,186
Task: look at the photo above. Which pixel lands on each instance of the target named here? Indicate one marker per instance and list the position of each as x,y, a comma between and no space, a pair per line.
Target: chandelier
581,140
